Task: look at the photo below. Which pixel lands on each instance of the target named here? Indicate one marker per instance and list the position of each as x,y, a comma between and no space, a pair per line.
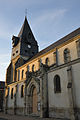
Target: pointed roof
23,27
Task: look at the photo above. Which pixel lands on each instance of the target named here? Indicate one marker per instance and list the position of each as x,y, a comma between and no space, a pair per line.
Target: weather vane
26,12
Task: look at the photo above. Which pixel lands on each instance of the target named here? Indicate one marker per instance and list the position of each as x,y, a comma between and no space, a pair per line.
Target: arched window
57,84
47,61
78,47
22,73
28,68
18,75
55,55
67,56
22,91
33,68
12,93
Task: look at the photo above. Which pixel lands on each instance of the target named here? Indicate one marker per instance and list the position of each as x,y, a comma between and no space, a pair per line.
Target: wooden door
35,98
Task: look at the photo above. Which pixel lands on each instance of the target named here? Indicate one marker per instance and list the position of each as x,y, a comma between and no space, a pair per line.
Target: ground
18,117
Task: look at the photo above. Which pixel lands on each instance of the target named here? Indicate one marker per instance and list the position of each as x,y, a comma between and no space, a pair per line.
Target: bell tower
25,45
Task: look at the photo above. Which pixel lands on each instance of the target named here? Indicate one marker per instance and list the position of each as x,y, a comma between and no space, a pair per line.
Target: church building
44,83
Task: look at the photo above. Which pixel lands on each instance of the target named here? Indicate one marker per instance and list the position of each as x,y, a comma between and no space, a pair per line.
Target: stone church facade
45,83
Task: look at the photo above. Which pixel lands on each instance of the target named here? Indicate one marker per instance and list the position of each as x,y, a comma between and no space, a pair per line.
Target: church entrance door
35,99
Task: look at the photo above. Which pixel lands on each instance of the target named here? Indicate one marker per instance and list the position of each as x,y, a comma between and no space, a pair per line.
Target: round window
29,46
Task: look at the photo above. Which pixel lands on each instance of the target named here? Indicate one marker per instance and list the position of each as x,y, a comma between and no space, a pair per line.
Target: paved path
18,117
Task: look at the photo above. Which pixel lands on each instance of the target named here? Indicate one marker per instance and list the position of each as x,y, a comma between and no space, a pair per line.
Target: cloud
21,3
4,55
4,61
50,15
45,25
6,28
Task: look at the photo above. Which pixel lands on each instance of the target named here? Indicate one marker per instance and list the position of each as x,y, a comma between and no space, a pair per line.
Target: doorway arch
33,90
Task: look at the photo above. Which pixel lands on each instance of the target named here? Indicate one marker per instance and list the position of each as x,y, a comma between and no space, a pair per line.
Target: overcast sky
50,20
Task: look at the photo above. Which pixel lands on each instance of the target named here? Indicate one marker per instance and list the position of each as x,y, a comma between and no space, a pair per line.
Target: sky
49,20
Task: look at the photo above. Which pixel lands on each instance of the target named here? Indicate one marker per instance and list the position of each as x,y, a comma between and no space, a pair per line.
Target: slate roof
23,27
